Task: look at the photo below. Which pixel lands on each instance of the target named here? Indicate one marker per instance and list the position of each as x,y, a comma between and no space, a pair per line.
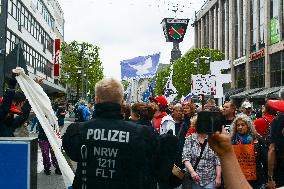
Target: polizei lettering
108,135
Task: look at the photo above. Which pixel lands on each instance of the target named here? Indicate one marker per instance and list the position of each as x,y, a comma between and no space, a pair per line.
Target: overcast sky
124,29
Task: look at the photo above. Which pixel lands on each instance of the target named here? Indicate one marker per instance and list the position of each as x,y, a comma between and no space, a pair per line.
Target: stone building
251,34
32,26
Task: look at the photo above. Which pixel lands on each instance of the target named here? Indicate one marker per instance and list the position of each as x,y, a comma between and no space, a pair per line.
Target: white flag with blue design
140,67
170,91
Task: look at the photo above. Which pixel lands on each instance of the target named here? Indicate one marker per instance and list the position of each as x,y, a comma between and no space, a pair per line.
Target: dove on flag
170,91
140,67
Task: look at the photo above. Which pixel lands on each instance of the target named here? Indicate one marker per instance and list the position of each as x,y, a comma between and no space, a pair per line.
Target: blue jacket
85,111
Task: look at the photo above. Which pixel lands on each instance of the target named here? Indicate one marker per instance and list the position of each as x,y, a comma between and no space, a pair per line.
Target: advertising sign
57,58
274,30
174,29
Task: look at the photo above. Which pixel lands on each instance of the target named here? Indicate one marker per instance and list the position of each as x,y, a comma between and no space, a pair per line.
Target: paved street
52,181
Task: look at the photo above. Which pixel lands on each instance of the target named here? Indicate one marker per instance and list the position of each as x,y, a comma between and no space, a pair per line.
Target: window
244,31
261,24
277,69
257,73
253,24
240,75
32,57
236,29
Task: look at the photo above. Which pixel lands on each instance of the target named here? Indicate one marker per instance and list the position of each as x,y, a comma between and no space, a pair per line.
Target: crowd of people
160,144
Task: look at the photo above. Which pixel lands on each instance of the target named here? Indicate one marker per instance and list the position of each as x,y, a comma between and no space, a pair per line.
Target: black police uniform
111,153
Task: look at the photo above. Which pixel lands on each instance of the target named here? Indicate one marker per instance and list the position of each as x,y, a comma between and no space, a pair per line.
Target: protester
163,122
111,153
60,114
201,162
13,103
276,147
262,125
47,152
229,112
177,115
231,171
35,123
82,113
250,150
246,108
125,109
189,111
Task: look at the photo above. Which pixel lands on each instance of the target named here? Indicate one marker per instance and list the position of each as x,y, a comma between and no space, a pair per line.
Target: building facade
32,26
251,34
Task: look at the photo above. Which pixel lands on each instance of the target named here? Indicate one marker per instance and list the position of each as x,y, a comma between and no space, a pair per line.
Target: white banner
41,105
170,91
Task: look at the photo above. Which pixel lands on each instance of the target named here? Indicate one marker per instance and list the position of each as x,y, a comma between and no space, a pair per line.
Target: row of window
40,6
32,57
25,19
257,72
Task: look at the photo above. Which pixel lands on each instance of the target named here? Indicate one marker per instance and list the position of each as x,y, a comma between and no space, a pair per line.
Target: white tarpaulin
41,105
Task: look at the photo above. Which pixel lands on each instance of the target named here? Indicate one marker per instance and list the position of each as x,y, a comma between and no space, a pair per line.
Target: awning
231,92
247,93
275,94
265,92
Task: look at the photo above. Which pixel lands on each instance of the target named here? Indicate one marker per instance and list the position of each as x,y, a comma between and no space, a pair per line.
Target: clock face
176,31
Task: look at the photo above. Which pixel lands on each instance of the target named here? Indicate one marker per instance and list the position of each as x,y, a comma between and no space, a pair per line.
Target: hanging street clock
174,29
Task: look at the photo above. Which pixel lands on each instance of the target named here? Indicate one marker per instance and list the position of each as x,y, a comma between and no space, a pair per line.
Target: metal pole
82,68
87,80
3,42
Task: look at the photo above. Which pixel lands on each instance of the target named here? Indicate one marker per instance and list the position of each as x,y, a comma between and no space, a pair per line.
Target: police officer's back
110,152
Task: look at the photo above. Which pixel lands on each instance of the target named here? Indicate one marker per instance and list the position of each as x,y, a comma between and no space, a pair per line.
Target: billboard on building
57,59
174,29
274,30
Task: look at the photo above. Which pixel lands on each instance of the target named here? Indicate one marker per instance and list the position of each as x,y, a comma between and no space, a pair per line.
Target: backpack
79,114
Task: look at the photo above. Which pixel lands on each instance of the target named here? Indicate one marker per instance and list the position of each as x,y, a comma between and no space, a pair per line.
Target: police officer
111,153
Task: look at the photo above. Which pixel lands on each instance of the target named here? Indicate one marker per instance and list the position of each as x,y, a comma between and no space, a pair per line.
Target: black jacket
9,124
111,153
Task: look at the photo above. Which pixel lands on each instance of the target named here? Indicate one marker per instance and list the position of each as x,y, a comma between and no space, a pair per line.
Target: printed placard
203,84
246,157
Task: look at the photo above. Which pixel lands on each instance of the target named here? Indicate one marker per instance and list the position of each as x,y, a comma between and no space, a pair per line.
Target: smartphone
209,122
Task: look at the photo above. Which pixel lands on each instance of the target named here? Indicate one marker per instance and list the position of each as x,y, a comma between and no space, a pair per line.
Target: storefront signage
239,61
257,55
56,58
274,30
174,29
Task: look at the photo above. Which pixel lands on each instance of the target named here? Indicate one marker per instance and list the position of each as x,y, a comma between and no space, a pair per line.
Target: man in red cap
162,122
276,147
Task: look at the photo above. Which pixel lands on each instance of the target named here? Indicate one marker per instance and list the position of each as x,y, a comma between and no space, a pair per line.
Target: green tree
184,68
77,57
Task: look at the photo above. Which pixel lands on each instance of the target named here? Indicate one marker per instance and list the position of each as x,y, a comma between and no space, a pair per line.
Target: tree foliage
184,68
77,57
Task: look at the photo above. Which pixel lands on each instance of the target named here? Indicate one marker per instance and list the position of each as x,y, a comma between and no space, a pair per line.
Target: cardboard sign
203,84
246,157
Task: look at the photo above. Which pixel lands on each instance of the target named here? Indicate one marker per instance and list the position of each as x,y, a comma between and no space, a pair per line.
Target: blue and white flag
140,67
170,91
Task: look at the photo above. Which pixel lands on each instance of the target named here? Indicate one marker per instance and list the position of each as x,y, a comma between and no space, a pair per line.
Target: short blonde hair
109,90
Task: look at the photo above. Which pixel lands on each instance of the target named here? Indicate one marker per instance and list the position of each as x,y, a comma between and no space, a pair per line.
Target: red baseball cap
277,105
160,99
13,108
